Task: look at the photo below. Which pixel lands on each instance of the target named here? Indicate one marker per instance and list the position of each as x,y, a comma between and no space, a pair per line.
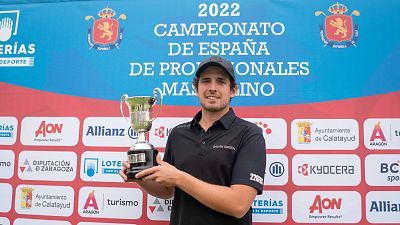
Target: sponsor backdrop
321,78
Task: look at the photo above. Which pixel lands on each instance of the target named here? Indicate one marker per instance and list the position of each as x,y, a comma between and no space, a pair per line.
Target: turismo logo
14,53
121,203
271,206
102,166
159,209
7,159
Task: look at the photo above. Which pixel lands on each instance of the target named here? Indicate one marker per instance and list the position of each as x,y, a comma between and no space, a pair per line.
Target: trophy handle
155,91
123,99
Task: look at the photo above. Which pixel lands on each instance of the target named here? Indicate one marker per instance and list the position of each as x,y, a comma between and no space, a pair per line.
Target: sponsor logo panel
8,128
276,169
382,133
108,131
47,165
161,129
7,159
382,170
6,193
383,207
44,200
4,221
324,134
121,203
326,207
102,166
271,206
274,131
50,131
14,53
159,209
326,170
21,221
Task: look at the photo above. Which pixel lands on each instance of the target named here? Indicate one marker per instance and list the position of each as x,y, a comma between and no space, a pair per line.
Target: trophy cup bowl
142,155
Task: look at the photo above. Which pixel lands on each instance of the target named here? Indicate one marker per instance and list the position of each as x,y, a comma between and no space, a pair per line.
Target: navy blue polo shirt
232,151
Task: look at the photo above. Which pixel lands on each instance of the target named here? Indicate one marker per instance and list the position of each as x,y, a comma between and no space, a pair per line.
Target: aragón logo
338,30
106,32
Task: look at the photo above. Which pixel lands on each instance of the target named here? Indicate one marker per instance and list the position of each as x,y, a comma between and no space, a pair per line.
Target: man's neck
208,118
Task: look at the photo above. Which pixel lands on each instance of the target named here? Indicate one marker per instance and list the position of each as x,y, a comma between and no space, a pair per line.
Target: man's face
214,89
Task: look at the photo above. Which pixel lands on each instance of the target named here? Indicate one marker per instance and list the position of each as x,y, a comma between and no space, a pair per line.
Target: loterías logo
106,32
338,30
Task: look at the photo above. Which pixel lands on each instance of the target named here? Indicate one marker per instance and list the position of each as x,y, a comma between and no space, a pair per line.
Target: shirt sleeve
249,165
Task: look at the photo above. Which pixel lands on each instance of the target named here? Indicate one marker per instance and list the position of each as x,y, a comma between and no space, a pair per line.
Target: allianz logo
103,131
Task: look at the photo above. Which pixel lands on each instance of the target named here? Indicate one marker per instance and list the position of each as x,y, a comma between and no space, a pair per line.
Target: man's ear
234,91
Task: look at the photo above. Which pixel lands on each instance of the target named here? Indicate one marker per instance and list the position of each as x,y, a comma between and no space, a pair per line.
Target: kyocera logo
49,128
162,132
322,204
307,169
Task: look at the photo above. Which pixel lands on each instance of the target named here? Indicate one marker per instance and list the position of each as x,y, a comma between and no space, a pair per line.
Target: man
215,164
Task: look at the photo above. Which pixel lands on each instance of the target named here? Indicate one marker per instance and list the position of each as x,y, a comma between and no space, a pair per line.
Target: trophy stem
141,137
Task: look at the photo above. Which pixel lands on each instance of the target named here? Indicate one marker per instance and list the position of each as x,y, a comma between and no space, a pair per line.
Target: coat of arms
338,30
106,33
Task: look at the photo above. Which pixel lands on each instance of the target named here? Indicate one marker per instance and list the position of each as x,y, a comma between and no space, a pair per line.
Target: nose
212,87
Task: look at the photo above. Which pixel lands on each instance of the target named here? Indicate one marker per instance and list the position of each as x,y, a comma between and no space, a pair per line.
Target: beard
214,107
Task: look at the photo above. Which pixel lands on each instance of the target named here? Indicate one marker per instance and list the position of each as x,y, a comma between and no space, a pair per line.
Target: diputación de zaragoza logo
338,30
106,32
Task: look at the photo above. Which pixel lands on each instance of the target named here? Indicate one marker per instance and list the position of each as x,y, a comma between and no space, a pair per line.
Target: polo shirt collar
226,120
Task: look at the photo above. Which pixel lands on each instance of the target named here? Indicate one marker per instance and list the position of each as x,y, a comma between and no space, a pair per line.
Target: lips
212,97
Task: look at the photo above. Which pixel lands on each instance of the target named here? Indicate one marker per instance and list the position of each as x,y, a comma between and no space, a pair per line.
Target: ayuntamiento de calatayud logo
338,30
106,32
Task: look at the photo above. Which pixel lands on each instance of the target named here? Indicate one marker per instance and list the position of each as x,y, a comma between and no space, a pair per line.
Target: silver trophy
142,155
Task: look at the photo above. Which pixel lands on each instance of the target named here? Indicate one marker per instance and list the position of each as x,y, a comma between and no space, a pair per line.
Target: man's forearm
234,201
155,189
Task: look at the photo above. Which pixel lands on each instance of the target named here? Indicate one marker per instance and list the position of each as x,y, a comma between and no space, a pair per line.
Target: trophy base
139,160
